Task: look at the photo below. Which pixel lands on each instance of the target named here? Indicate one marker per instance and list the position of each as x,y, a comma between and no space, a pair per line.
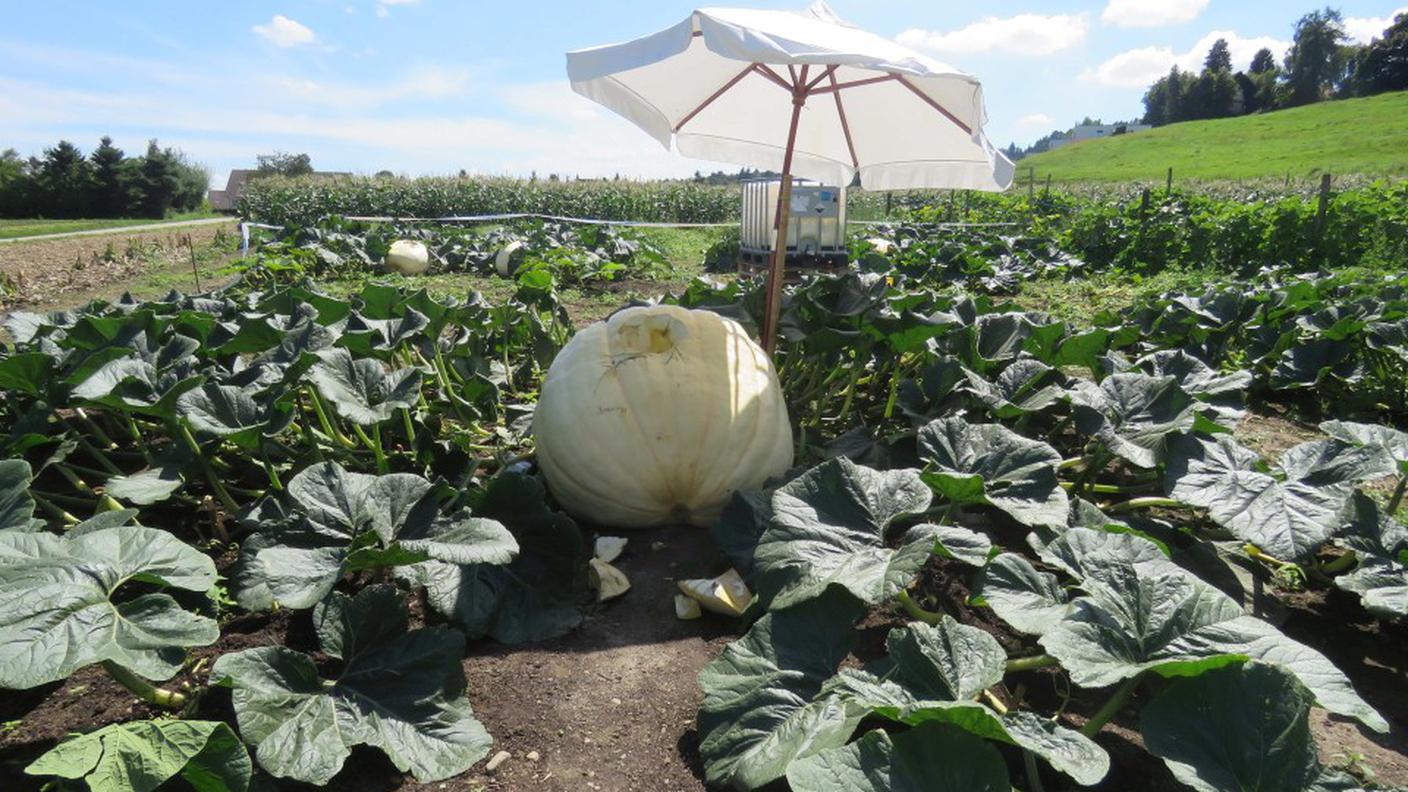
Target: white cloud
1151,13
1139,67
1023,34
383,8
1362,30
1035,121
284,32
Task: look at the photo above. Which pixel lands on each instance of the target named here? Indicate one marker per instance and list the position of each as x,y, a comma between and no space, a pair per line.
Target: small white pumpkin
657,415
408,257
881,245
507,259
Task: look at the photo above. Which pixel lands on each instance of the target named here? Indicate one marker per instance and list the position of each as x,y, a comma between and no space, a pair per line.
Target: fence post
1048,184
888,197
1168,188
1324,203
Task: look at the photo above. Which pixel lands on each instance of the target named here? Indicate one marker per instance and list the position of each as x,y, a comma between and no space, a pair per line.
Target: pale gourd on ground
658,415
408,257
508,258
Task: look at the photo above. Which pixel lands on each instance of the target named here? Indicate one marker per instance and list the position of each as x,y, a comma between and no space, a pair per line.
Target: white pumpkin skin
408,257
657,415
504,263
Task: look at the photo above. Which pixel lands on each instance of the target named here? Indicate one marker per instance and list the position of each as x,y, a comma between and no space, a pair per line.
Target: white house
1093,131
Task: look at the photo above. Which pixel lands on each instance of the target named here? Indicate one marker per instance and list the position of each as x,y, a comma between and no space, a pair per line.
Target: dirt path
610,706
119,230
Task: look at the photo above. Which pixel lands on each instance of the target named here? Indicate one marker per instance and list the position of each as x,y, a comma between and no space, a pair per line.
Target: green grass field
1351,136
10,228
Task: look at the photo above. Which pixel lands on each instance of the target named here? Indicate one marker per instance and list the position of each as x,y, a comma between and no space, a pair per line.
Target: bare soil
61,272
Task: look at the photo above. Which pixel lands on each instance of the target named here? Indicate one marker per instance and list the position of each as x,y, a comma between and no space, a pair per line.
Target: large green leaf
1381,542
1288,516
1133,414
228,412
538,595
1140,611
1242,728
402,692
16,504
931,758
58,612
949,660
342,520
894,698
1025,386
140,756
1393,442
993,465
828,528
360,389
758,713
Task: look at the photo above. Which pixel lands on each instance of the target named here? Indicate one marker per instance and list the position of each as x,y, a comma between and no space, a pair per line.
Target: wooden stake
1324,203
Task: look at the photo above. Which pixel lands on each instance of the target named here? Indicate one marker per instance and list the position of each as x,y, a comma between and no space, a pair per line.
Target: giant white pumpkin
408,257
657,415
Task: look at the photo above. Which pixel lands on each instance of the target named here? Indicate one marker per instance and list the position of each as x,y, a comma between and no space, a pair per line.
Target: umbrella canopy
723,85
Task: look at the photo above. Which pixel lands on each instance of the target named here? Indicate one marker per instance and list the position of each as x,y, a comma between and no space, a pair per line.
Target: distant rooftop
226,199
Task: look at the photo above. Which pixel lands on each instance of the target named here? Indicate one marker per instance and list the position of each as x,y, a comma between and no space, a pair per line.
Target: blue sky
433,86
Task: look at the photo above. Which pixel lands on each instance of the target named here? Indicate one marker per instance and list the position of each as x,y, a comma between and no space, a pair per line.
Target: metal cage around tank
816,227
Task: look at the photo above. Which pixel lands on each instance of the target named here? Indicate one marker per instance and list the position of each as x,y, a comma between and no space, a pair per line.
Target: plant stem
144,690
374,443
54,511
95,429
228,502
271,473
1112,706
1109,489
410,428
1143,503
912,608
1031,663
994,702
1346,561
328,428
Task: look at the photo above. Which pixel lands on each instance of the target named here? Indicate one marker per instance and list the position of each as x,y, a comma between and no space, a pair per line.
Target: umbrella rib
830,72
712,97
930,101
841,113
857,83
772,75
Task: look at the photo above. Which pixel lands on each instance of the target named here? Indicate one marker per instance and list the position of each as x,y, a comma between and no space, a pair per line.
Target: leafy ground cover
302,530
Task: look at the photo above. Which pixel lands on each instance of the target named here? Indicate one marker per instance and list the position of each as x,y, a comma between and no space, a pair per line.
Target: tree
110,196
14,183
192,181
1263,61
1219,57
62,182
1315,62
283,164
156,181
1383,65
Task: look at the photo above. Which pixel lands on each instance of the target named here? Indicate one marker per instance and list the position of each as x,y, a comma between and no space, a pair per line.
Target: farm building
1093,131
225,200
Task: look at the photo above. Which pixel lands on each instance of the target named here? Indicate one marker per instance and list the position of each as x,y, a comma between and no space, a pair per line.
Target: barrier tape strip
245,226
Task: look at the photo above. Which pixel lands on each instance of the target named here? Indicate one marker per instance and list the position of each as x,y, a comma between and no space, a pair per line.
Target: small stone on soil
499,758
533,756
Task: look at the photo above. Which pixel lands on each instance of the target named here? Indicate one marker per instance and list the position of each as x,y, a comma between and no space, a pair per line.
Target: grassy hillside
1365,136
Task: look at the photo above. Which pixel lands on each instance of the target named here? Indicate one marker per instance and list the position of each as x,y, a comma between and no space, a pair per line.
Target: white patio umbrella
803,91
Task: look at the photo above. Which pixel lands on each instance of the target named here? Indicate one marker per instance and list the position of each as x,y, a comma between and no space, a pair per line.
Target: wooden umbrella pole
772,305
